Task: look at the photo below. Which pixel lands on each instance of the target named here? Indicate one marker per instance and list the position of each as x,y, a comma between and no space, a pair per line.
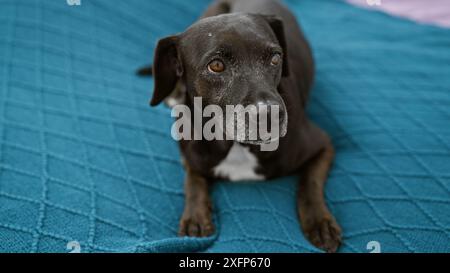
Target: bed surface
84,158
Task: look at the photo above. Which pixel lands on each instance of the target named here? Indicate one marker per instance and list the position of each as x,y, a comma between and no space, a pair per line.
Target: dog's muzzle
260,123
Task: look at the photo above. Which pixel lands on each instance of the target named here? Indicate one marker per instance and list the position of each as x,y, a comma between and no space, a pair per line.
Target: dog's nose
265,110
261,111
263,121
267,107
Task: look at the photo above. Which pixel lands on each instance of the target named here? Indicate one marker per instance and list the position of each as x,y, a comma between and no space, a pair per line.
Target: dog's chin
256,142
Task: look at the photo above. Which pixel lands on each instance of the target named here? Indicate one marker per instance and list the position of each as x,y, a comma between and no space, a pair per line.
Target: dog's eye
216,66
276,59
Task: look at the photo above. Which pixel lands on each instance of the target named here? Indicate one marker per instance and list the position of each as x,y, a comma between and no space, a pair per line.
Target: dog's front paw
196,222
324,233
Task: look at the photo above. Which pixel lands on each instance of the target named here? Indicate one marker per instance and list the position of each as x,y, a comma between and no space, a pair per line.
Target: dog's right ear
167,68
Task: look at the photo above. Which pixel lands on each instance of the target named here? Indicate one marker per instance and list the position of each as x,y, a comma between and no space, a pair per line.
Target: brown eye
276,59
216,66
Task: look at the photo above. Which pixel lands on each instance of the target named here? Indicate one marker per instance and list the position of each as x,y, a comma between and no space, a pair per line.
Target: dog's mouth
258,142
256,136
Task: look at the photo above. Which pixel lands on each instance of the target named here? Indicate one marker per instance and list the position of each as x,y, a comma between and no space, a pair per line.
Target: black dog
248,52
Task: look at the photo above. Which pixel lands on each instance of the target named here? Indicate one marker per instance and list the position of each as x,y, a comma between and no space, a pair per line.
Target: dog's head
230,59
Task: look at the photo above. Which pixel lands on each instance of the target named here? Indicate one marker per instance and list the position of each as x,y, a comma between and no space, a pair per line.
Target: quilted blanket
86,165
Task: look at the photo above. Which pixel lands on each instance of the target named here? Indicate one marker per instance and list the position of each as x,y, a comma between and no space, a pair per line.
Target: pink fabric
435,12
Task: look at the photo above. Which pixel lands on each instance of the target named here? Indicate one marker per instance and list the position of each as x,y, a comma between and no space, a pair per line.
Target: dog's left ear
278,29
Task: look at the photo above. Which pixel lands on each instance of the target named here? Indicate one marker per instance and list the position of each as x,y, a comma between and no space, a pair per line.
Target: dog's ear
278,29
167,68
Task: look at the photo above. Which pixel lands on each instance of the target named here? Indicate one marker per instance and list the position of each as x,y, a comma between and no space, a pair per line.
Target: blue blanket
83,159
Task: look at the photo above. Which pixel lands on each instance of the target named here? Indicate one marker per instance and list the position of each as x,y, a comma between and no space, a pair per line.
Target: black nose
266,107
265,110
263,120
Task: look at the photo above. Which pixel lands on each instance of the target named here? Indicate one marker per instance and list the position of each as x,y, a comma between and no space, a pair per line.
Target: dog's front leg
197,216
319,225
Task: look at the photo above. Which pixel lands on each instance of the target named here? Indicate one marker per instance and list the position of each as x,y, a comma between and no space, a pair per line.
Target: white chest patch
239,165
